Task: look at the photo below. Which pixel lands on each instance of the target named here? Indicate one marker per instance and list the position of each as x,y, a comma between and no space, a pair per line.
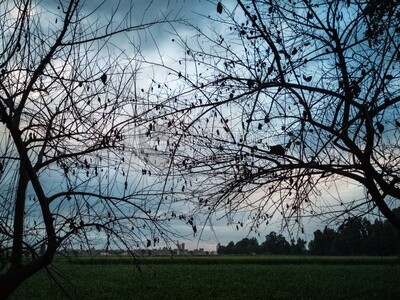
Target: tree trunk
14,276
9,283
381,204
18,228
18,272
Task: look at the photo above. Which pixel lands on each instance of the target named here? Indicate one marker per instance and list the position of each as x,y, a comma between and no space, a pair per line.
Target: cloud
158,39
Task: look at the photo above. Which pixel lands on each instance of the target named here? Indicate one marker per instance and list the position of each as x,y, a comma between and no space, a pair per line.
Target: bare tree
282,104
69,113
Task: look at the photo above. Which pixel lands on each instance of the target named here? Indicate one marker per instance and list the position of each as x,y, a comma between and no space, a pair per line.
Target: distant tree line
357,236
274,244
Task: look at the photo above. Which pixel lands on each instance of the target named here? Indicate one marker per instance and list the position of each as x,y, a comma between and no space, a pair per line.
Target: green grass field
220,277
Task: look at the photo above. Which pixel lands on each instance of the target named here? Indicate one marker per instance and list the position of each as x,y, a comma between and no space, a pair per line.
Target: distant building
199,251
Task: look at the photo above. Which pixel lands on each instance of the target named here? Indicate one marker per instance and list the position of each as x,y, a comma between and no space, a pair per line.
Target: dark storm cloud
156,38
135,13
141,11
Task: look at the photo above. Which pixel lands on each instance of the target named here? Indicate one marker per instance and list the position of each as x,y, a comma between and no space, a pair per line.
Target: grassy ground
236,259
220,278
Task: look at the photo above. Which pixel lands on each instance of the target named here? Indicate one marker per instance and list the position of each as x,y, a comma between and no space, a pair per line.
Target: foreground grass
235,259
217,281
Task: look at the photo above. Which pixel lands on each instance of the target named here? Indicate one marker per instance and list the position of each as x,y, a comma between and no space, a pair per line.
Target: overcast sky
158,39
